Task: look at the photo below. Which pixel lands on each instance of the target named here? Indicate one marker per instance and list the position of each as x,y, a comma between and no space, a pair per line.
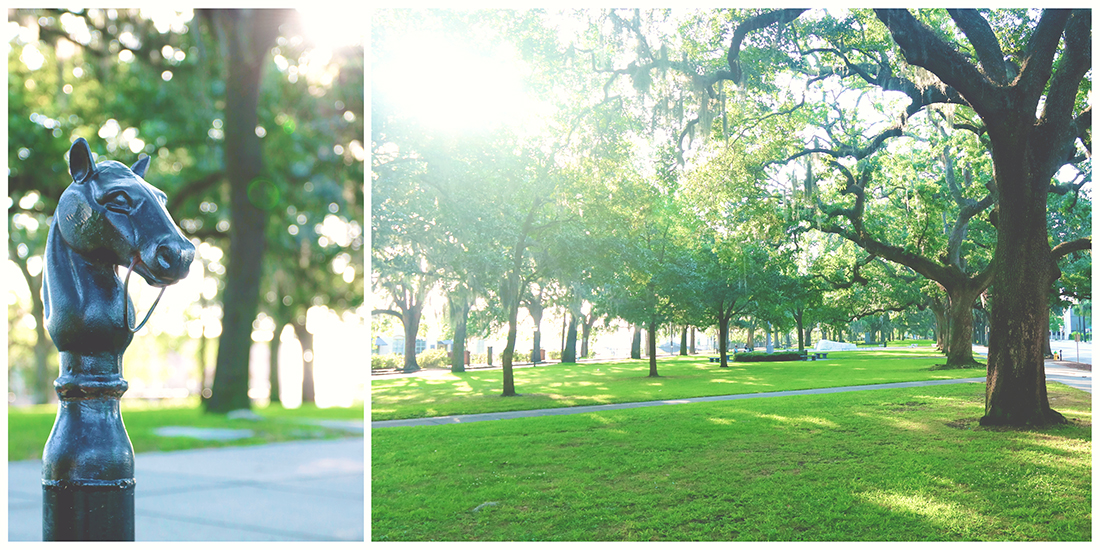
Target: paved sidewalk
293,491
1071,377
1075,378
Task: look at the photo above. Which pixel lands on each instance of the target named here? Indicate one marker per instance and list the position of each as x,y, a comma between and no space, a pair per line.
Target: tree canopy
797,168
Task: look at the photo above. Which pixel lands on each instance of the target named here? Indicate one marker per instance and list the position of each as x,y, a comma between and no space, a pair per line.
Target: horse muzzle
167,262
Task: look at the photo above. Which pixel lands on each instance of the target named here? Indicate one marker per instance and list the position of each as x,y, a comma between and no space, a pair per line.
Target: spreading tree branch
1084,243
923,48
1039,55
981,36
733,56
1075,63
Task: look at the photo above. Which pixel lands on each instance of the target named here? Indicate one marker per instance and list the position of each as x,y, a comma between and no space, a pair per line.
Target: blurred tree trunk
305,338
273,361
246,36
41,386
202,369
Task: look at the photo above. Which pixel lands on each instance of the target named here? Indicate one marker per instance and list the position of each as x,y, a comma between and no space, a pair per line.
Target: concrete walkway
1080,379
293,491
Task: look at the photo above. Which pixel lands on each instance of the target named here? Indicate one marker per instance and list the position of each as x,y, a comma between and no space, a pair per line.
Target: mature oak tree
1031,108
1029,145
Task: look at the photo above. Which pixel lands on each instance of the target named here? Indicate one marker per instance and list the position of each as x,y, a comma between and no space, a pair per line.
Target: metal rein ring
126,294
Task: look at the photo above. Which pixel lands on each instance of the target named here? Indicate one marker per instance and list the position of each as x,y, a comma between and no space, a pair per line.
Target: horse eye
118,201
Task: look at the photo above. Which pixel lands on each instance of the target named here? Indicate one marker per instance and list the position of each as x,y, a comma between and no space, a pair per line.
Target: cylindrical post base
88,461
88,511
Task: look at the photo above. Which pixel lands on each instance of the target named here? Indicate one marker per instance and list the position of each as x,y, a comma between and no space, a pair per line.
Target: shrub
433,358
556,355
760,356
387,361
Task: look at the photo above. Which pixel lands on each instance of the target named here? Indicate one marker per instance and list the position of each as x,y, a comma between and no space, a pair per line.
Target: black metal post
88,462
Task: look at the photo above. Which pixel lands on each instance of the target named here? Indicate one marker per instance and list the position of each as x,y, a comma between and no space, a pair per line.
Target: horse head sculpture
108,217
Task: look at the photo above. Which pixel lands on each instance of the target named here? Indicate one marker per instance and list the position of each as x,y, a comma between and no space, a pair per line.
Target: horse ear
141,166
80,160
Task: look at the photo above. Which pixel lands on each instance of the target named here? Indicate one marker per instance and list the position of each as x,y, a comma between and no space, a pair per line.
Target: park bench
815,356
717,359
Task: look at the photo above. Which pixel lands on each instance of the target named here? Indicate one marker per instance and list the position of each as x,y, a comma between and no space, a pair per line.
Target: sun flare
451,86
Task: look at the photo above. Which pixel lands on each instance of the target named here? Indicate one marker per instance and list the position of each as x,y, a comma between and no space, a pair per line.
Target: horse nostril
167,256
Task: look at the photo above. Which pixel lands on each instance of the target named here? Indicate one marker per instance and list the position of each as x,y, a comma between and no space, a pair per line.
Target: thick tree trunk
939,309
458,348
249,34
960,347
692,344
1016,389
569,352
651,345
636,343
410,321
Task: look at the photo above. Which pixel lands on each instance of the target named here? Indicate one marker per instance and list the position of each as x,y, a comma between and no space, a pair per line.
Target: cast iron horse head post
109,216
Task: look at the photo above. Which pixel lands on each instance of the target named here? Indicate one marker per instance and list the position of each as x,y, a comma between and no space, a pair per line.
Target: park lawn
894,464
29,427
441,393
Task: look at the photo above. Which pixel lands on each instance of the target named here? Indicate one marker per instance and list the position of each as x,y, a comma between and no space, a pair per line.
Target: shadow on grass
875,465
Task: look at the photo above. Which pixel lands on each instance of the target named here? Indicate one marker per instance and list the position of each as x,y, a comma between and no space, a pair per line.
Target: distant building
385,345
399,345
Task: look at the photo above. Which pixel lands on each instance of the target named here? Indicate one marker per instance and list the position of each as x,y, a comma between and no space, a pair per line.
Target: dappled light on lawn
625,381
945,515
907,424
799,420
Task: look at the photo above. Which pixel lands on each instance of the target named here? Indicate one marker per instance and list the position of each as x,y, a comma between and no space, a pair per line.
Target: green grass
898,464
439,393
29,427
